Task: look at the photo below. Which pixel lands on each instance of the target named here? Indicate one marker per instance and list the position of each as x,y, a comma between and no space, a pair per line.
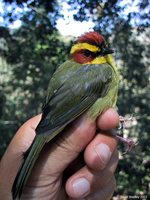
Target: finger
108,119
105,193
25,134
87,181
99,151
14,153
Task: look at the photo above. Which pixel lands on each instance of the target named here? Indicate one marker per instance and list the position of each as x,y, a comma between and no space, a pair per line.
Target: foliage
33,57
35,50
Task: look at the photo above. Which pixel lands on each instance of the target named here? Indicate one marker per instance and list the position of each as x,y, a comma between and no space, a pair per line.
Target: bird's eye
87,53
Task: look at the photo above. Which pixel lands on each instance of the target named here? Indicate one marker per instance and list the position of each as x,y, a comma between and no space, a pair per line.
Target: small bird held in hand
85,84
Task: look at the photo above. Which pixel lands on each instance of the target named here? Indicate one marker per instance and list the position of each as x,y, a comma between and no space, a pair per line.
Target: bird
87,83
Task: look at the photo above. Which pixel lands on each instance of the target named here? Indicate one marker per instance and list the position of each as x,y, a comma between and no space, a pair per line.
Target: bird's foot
123,122
129,142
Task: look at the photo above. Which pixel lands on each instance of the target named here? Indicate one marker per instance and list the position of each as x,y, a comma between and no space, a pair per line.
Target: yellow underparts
80,46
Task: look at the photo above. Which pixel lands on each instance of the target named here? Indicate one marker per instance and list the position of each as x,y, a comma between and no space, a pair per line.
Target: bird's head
90,47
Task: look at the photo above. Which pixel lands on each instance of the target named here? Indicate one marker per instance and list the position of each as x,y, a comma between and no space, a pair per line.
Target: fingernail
81,187
104,153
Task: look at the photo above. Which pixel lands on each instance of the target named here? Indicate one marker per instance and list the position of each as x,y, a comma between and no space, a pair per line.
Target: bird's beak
107,50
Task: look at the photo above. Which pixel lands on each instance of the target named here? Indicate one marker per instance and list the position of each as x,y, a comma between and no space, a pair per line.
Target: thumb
13,156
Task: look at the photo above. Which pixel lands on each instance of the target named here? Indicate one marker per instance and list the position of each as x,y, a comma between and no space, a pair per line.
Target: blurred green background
31,48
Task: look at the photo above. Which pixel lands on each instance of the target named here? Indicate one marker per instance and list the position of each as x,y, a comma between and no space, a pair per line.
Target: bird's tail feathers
27,164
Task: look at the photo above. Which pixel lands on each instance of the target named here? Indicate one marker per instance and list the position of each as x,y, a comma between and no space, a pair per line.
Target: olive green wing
63,72
74,96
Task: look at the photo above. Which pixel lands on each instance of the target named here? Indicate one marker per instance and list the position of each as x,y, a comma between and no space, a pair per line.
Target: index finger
108,120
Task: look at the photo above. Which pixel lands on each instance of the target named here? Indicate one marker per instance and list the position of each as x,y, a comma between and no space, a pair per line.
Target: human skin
77,164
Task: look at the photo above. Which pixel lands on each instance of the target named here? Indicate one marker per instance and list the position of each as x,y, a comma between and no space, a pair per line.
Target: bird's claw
123,122
130,143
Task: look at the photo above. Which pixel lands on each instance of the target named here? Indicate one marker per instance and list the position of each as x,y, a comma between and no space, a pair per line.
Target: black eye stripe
88,53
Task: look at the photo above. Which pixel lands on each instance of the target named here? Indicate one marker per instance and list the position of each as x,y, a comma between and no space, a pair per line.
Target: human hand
60,171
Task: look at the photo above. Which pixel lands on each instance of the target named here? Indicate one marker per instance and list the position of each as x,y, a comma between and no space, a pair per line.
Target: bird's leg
123,125
130,143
